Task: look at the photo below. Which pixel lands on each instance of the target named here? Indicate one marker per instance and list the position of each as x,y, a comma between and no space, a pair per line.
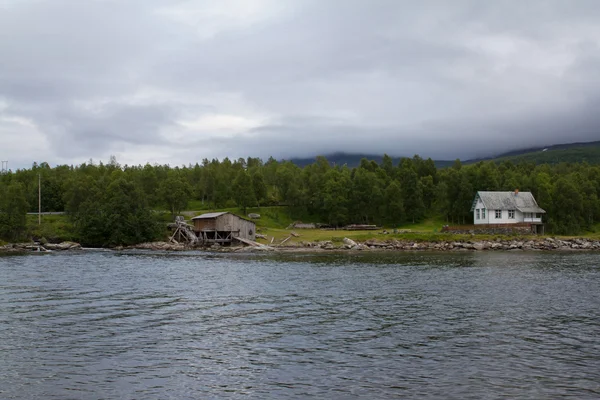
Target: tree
412,194
127,217
13,211
335,197
175,192
366,195
394,207
243,192
116,216
259,187
567,215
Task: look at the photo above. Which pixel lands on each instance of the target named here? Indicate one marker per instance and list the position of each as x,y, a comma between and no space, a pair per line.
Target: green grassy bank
274,221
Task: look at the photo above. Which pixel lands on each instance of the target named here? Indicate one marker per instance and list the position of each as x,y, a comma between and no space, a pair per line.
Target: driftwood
294,234
261,236
254,244
273,238
285,240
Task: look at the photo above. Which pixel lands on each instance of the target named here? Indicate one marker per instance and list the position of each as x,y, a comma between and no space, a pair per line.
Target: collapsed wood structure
183,232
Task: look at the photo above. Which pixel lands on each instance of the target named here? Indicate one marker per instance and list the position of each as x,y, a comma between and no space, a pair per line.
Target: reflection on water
144,325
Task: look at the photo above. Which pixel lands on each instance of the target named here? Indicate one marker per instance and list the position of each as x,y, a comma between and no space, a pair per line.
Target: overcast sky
168,81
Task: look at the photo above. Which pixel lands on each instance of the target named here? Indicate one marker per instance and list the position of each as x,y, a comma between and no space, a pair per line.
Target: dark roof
522,201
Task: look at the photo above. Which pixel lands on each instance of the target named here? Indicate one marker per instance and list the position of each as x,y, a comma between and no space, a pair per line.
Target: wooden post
39,199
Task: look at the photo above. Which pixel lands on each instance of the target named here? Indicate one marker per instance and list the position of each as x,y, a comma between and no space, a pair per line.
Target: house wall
504,219
240,227
204,224
485,220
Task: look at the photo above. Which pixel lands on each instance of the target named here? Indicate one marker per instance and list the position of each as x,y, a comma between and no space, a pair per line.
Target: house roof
522,201
210,215
218,214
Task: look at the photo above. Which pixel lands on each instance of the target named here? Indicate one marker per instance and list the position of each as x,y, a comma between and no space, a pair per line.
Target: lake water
94,325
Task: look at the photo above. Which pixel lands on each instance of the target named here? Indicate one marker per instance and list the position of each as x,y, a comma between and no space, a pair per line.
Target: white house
506,208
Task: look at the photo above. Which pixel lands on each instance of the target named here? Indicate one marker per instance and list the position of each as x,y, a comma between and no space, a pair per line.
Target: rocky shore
547,244
38,247
470,245
541,244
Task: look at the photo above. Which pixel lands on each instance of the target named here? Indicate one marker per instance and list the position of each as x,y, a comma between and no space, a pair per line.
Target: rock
159,246
349,243
63,246
375,243
478,246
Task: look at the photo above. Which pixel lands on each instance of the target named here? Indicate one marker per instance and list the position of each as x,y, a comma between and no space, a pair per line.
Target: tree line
111,204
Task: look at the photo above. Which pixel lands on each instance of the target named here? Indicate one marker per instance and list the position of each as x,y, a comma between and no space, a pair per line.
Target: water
188,326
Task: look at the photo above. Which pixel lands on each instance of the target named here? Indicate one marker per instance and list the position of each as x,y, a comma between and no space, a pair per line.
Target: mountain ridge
553,154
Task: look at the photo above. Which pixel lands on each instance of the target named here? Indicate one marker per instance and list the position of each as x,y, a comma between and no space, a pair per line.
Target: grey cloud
442,79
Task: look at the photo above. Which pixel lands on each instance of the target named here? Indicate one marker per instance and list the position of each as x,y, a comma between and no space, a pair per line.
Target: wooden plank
253,243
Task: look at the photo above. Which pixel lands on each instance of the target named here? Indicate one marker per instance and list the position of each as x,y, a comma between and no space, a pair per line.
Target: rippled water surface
105,325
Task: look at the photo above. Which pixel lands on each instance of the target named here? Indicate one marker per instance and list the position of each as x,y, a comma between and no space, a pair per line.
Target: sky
176,81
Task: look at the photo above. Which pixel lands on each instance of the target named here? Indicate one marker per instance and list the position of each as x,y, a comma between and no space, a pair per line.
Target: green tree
412,194
335,197
13,211
394,207
175,192
116,216
243,192
259,186
567,217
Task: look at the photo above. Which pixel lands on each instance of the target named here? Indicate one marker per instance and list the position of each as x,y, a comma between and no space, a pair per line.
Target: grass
432,224
274,221
54,228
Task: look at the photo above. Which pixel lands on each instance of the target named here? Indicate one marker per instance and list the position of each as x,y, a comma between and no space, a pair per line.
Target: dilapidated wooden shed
223,227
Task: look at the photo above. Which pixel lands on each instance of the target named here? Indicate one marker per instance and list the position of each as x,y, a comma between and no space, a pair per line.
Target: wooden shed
223,227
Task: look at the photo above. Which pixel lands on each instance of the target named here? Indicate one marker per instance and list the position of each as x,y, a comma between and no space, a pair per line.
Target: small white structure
506,208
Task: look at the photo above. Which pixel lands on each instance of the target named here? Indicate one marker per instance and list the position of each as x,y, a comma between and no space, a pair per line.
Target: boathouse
223,227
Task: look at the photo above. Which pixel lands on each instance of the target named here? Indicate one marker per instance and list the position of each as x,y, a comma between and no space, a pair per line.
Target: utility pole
39,199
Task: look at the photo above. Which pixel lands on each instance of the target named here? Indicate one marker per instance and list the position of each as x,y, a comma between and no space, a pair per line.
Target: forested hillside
555,154
572,154
111,204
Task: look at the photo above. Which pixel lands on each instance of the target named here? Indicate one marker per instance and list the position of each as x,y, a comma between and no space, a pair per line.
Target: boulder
62,246
478,246
349,242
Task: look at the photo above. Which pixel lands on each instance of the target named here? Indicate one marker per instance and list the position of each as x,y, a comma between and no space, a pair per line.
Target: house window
483,213
498,214
477,214
511,214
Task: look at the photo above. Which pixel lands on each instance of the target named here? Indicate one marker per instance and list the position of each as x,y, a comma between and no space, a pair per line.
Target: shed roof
522,201
210,215
218,214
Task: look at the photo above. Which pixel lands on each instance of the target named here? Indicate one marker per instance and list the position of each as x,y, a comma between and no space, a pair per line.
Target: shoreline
527,244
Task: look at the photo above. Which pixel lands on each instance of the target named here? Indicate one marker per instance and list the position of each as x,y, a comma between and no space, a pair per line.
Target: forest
112,204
